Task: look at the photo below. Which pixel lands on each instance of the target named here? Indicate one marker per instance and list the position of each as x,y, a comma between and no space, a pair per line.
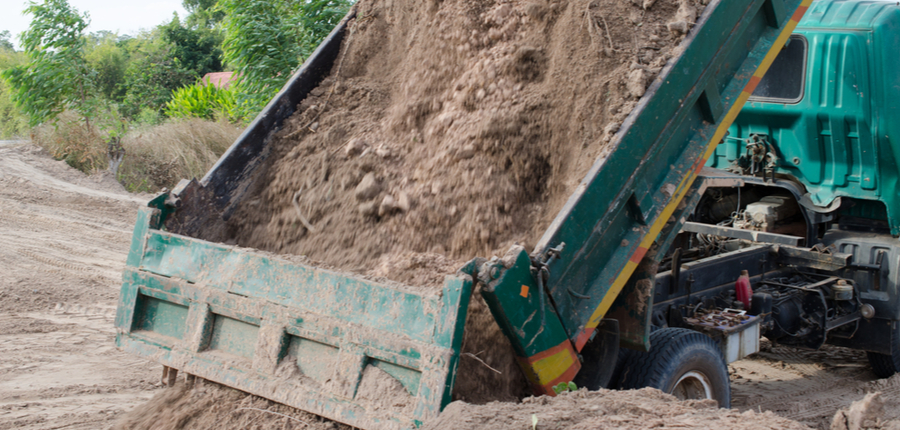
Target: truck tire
600,358
681,362
885,365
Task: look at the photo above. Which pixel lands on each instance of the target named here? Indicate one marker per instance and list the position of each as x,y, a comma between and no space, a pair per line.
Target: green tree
57,76
319,17
13,123
263,46
202,13
265,41
5,43
197,49
152,74
106,56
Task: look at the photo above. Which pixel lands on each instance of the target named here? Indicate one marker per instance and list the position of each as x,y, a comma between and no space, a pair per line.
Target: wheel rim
693,385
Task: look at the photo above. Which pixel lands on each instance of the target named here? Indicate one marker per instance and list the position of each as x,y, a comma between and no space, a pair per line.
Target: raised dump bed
381,355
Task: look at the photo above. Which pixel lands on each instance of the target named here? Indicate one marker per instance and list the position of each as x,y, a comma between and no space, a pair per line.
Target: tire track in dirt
64,247
53,262
66,370
808,386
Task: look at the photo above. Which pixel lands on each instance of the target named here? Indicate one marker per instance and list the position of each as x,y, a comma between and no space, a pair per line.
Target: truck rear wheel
885,365
681,362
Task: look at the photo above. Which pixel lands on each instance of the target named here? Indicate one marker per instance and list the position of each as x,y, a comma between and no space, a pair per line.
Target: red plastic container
742,289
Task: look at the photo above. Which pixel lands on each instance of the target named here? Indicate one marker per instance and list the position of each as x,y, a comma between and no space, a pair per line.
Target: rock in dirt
368,187
637,82
355,147
388,205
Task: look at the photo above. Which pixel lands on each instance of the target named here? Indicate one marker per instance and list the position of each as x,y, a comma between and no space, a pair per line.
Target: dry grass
156,157
159,156
69,139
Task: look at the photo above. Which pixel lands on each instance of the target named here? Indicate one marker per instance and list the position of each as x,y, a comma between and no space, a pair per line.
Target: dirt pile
207,405
866,413
453,129
639,409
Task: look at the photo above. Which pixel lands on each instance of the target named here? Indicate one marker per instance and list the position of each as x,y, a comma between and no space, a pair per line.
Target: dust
636,409
207,405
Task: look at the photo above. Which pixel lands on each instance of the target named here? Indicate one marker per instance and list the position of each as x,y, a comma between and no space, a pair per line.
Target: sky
122,16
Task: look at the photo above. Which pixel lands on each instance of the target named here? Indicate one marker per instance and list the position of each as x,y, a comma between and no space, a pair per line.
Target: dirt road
809,386
64,238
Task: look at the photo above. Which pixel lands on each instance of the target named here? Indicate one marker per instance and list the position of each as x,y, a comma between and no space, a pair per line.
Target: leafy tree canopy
319,17
5,43
203,13
265,41
197,49
56,76
109,59
152,74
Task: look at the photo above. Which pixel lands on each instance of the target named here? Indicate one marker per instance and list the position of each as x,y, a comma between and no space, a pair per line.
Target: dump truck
704,228
808,164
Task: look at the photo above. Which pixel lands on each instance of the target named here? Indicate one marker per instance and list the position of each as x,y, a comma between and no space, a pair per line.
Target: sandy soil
809,386
604,409
64,236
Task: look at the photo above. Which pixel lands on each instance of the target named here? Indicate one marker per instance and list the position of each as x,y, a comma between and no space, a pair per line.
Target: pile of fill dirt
207,405
639,409
453,129
866,413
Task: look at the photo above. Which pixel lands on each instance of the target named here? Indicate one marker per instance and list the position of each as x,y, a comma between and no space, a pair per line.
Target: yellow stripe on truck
688,180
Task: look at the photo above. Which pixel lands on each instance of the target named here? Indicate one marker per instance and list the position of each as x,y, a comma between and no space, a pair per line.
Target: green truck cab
829,109
813,156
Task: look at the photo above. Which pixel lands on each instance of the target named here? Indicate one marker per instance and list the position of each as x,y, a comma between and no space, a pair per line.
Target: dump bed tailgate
302,336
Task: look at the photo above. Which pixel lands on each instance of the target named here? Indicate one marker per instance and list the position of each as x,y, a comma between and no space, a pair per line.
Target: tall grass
159,156
156,156
69,139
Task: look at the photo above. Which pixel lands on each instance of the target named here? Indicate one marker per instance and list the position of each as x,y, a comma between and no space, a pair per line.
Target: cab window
784,82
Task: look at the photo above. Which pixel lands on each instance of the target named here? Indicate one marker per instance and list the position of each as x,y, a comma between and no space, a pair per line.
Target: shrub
67,138
148,117
201,101
13,123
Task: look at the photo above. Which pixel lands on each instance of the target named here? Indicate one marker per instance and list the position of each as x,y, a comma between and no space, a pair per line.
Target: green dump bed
320,341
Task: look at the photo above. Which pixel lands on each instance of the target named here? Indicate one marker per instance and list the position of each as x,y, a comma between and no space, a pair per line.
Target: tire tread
886,365
647,369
